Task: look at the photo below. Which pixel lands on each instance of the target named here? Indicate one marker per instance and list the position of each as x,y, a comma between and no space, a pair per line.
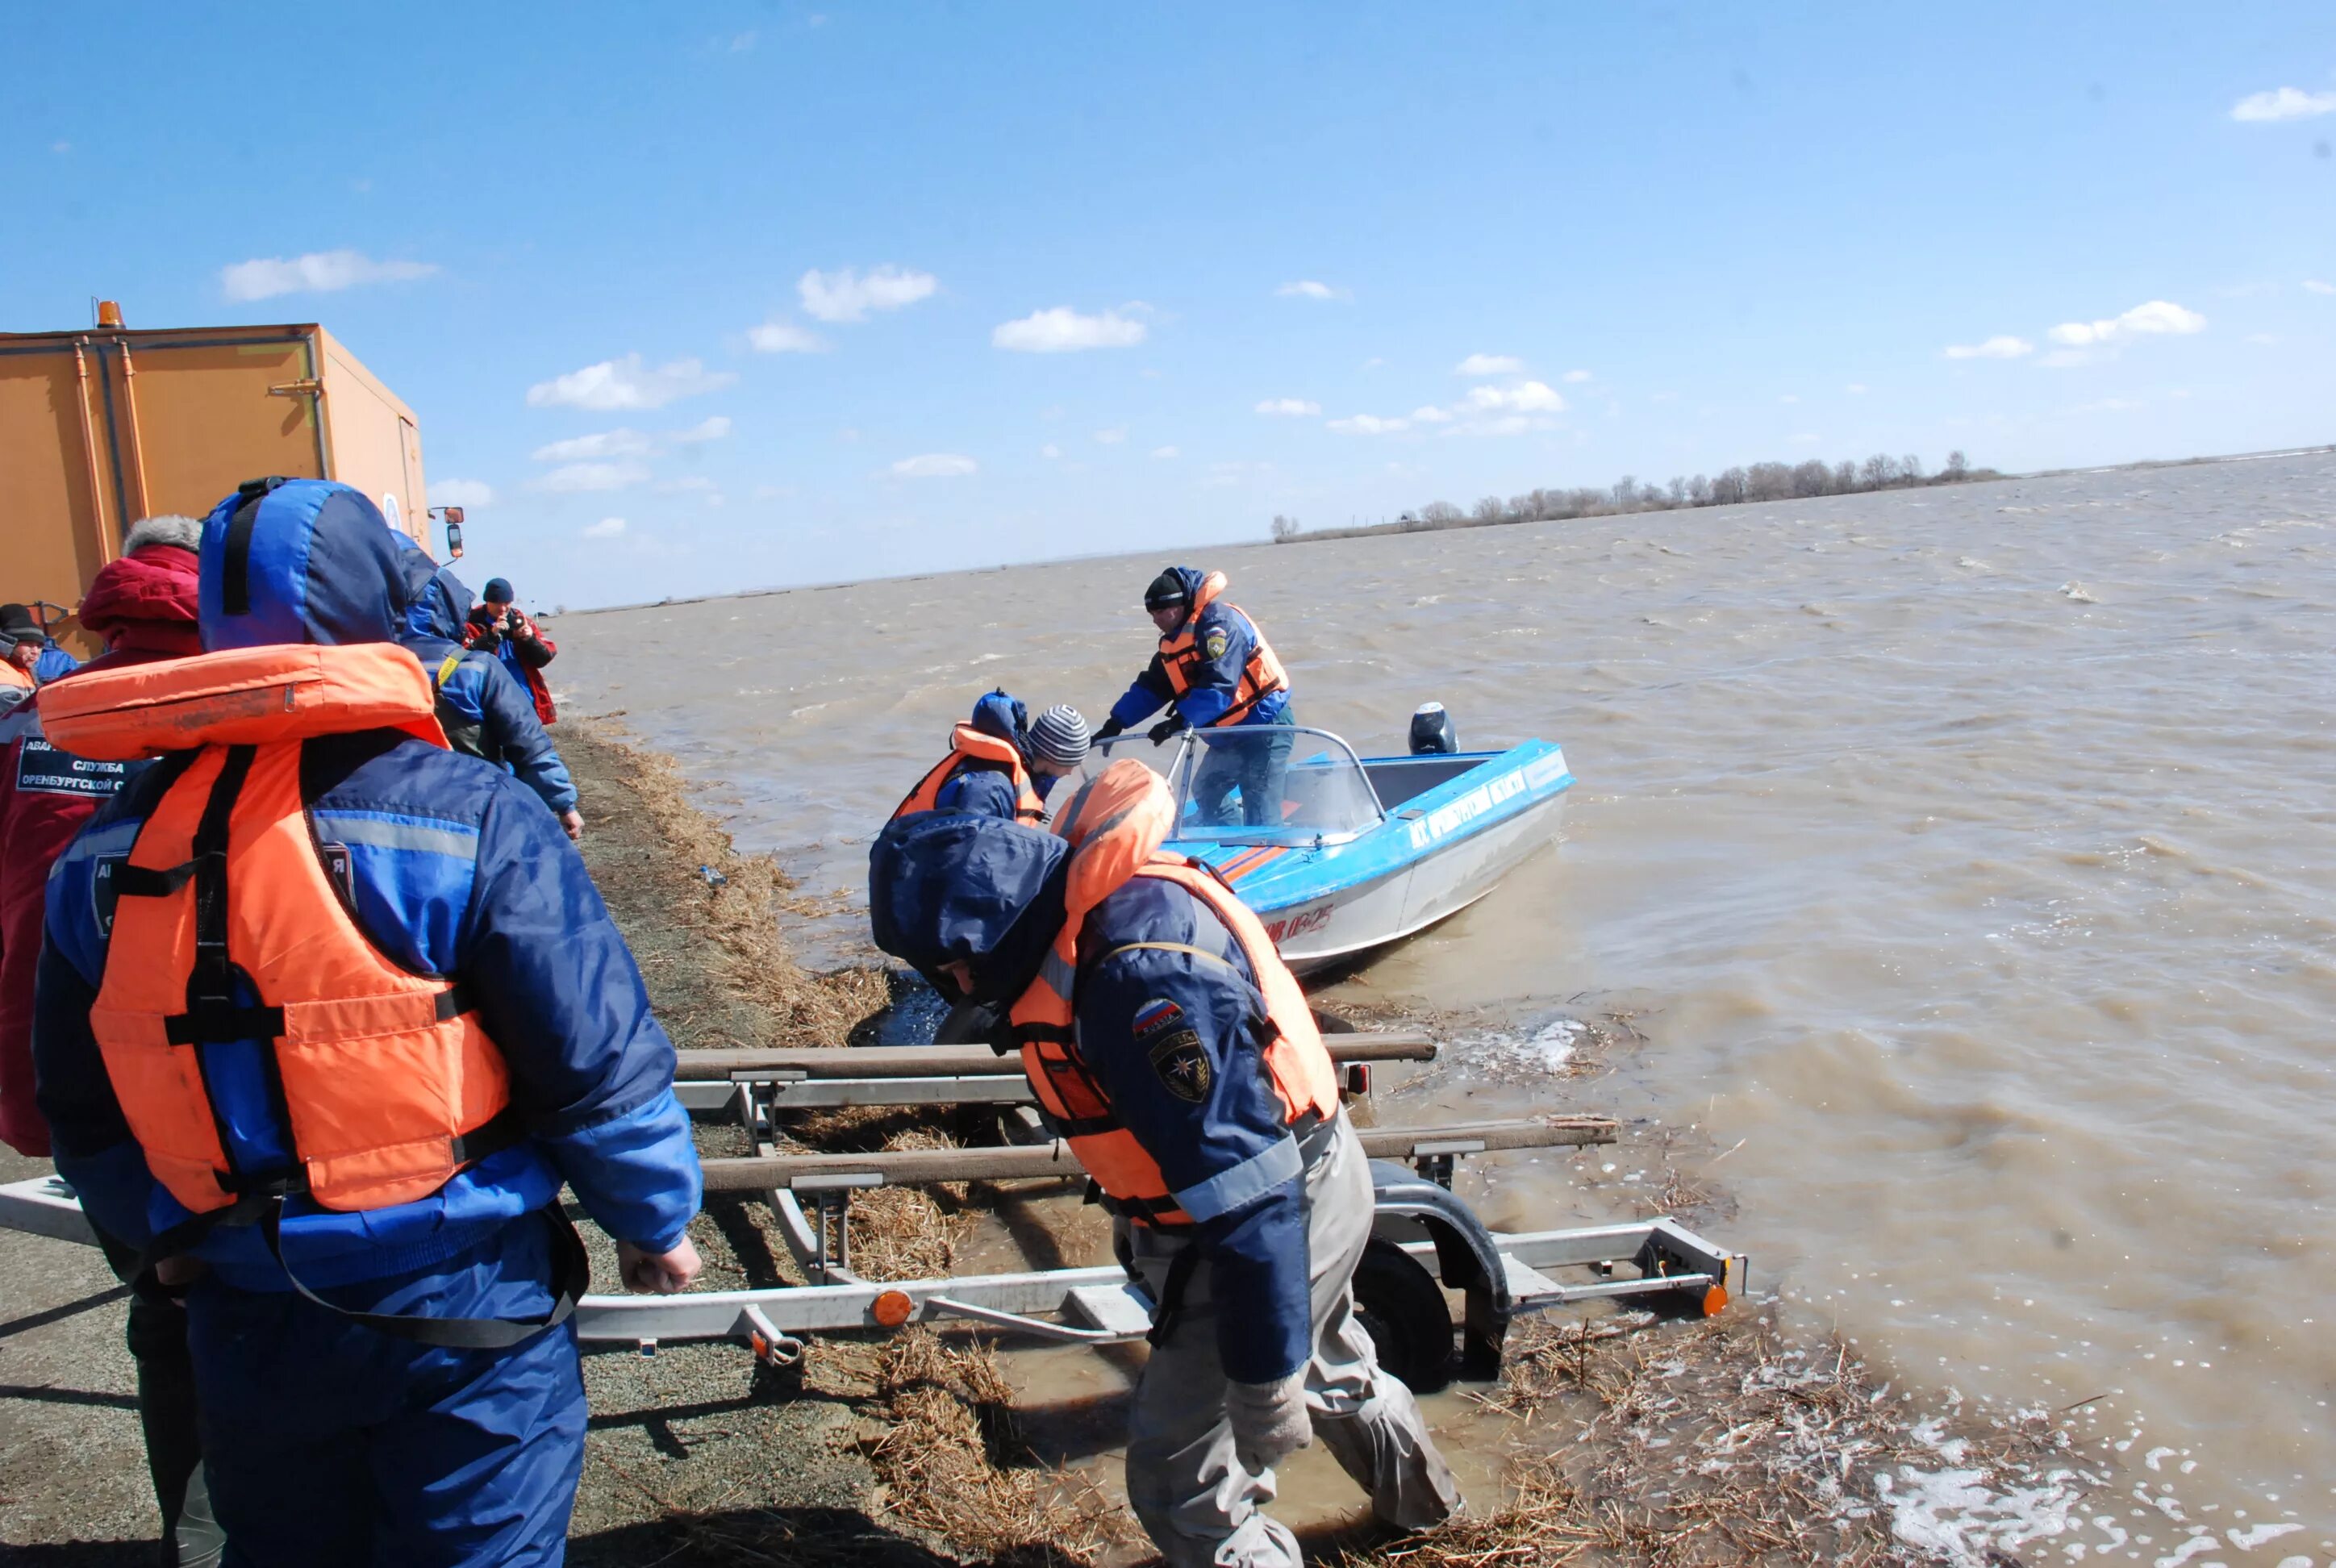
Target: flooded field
1966,858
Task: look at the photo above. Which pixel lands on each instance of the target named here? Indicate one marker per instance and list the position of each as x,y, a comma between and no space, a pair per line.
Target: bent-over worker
1192,1085
327,1015
999,764
1214,671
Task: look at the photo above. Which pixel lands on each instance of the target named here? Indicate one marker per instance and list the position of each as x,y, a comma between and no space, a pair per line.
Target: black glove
1111,727
1167,726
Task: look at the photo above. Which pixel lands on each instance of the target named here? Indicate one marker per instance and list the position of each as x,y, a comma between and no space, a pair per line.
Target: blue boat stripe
396,834
1246,1182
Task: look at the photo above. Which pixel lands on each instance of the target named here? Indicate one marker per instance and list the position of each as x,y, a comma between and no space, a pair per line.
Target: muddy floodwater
1967,858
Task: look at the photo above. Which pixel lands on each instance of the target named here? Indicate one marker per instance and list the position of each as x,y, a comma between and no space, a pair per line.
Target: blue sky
805,293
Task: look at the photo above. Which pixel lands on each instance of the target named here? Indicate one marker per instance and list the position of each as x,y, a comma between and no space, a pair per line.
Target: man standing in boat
1170,1047
1214,671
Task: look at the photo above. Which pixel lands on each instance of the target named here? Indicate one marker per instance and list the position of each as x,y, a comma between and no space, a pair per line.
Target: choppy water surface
1966,853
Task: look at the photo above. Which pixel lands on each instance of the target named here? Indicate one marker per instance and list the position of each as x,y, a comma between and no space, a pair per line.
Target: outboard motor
1432,733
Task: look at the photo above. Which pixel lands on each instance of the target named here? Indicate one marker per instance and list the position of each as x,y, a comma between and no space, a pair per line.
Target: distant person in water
1000,764
1214,671
499,627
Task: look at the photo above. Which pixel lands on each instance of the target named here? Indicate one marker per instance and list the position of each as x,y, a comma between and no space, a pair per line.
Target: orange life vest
12,679
1115,826
968,743
388,1083
1182,655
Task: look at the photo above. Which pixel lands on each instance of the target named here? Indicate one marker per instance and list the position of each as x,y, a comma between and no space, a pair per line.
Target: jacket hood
944,886
307,561
436,600
147,601
1005,717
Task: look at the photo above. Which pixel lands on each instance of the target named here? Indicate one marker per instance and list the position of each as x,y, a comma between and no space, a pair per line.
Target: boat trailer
1425,1240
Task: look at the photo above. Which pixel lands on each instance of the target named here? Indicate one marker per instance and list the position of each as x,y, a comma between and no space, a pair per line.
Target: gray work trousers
1202,1509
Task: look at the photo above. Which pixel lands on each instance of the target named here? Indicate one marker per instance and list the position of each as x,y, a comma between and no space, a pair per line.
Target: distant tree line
1760,481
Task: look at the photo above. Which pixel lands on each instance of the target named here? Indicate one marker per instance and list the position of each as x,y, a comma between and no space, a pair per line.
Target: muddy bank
1608,1440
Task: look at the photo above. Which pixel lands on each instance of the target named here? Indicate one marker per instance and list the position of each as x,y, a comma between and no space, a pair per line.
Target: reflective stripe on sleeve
1246,1182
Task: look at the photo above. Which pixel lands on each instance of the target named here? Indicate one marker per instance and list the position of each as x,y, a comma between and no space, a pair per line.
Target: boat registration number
1303,923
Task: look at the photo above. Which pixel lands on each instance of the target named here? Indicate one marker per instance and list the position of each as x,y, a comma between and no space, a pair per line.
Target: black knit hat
18,624
1167,589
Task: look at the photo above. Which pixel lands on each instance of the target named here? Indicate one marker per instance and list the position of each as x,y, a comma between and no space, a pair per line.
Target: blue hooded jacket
485,710
944,887
455,868
1214,683
978,785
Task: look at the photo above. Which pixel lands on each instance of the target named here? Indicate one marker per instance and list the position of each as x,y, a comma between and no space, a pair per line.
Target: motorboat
1341,855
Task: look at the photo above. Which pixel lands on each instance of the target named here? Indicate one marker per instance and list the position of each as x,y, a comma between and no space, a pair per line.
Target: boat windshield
1258,783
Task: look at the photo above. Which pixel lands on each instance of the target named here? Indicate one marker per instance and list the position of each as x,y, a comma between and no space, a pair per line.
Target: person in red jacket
144,606
501,628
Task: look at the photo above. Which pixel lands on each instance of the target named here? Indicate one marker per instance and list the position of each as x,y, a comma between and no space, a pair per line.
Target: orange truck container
103,426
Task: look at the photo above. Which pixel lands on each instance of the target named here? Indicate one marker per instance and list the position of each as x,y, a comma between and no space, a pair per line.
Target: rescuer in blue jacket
334,1438
1256,1339
1214,671
483,710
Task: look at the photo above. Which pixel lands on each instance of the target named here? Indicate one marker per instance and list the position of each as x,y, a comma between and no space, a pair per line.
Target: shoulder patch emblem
1216,641
1182,1063
1154,1016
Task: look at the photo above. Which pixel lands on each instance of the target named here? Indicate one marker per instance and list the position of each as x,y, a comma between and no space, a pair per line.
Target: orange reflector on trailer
1715,1300
893,1308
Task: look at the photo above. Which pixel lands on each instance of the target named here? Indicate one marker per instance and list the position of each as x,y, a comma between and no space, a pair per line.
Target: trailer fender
1409,1207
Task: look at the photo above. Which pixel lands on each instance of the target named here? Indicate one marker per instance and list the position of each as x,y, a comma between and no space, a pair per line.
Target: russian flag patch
1156,1015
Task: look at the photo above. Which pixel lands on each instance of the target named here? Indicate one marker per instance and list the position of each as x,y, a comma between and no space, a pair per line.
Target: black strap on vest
571,1277
1170,1305
235,573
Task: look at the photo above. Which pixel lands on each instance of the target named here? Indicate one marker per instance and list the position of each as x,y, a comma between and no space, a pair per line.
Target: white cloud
626,442
1307,288
627,383
1489,365
689,481
2063,358
2316,286
935,465
1527,397
318,272
61,147
1165,452
2155,318
2264,339
780,336
1063,330
619,442
1112,436
2003,347
846,296
2284,103
742,42
1369,424
1855,389
462,493
577,477
1290,405
1050,450
1790,397
607,528
1430,415
1576,377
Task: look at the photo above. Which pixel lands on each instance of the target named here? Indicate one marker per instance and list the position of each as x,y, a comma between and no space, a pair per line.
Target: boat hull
1432,855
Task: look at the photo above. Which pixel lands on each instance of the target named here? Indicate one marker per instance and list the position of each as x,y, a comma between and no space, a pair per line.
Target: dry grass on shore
1667,1445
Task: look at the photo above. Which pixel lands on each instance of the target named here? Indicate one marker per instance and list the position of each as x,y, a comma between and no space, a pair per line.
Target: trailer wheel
1402,1308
